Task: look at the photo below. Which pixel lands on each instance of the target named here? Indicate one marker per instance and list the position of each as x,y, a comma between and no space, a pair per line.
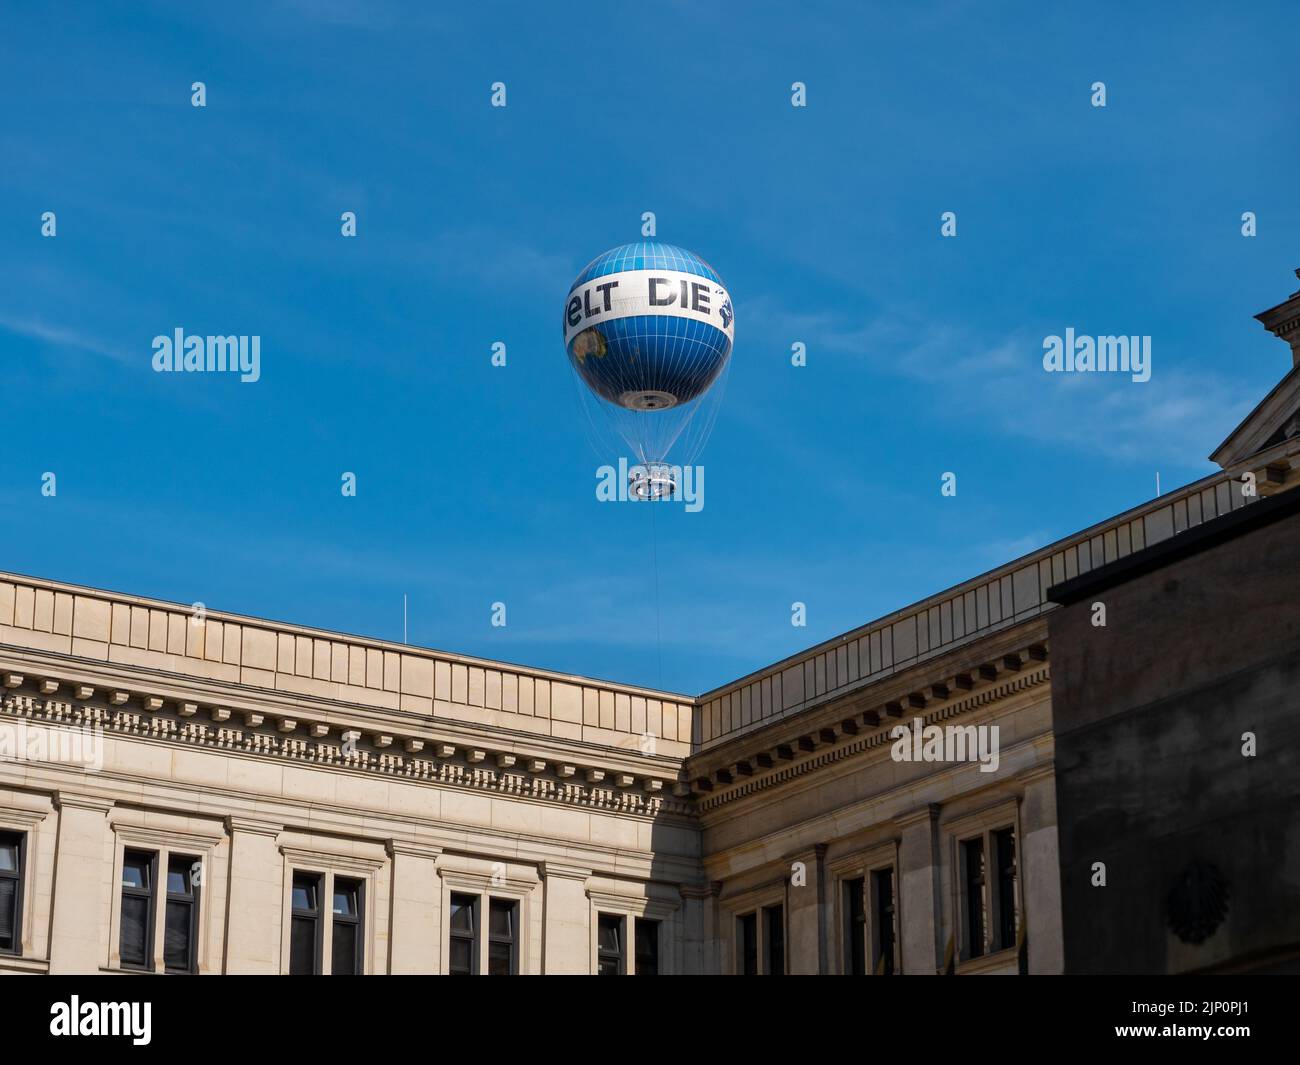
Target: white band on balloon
632,293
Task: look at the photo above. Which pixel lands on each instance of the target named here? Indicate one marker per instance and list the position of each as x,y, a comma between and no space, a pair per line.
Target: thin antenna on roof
403,617
1157,482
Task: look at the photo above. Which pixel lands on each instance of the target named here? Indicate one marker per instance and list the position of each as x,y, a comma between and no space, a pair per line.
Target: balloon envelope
648,326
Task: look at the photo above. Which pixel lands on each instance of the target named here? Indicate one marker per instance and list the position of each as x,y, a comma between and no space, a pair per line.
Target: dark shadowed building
1177,727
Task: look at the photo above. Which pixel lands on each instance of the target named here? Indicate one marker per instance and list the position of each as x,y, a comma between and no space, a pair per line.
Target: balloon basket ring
652,481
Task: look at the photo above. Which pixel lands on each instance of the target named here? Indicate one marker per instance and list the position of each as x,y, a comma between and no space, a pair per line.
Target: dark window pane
346,942
748,928
462,913
345,898
611,934
973,855
134,946
647,948
464,936
502,919
609,941
8,913
302,947
775,932
462,957
885,921
1005,846
177,935
10,890
500,959
855,931
304,892
180,875
135,870
502,947
344,949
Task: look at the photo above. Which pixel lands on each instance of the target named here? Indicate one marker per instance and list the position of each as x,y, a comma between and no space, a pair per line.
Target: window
774,940
972,851
463,959
345,938
135,945
855,927
609,945
484,932
11,892
503,928
989,899
747,940
305,936
1004,847
647,947
180,929
157,928
883,885
632,932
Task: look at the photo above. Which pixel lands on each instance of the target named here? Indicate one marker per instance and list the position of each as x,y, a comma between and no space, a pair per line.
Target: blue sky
477,484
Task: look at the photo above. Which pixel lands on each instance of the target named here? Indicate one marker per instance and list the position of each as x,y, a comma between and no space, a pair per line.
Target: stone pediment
1277,418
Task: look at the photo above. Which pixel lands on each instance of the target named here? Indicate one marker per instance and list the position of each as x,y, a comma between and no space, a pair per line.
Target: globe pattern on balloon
648,326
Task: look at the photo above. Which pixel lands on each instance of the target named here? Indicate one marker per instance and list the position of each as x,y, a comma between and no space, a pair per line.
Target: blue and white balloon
648,326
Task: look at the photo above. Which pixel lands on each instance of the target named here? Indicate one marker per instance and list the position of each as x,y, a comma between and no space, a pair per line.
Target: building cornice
47,699
964,680
845,745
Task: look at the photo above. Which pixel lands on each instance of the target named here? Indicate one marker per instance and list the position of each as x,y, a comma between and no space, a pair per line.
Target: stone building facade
191,791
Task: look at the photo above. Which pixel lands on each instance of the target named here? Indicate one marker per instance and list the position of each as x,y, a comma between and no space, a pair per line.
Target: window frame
620,956
632,901
475,936
299,859
19,877
755,903
150,895
863,864
763,960
637,923
984,825
316,916
487,880
193,900
192,843
516,907
25,814
357,920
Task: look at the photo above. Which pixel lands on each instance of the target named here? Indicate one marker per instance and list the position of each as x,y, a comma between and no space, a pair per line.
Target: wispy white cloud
1175,417
60,337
